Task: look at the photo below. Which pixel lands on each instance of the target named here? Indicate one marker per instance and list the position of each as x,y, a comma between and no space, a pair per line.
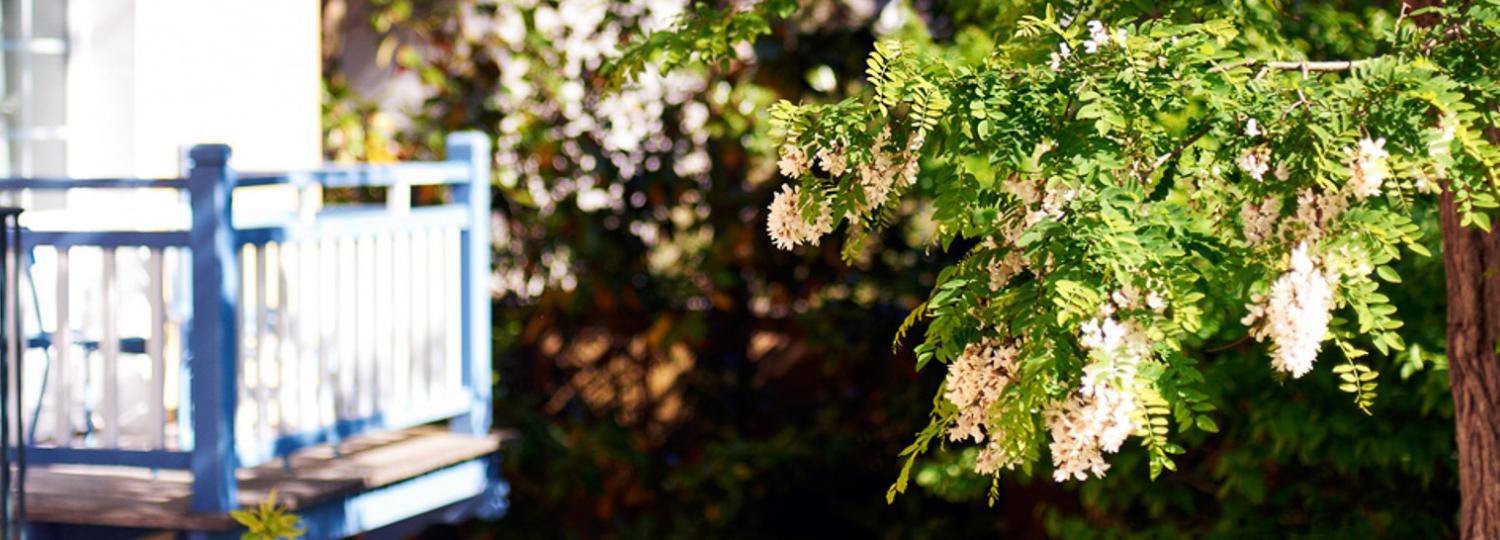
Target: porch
182,358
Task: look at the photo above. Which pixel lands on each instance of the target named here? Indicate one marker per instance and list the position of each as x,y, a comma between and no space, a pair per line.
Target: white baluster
419,320
401,321
364,302
156,348
328,344
286,352
385,336
244,424
62,339
263,352
348,329
453,330
109,349
436,314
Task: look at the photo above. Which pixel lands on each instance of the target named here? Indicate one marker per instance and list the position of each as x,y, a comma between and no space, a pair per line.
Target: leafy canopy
1132,188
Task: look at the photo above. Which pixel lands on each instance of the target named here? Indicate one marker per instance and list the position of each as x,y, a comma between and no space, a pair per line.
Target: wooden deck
134,497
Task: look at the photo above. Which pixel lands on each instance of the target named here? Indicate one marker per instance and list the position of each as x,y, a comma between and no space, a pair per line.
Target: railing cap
208,155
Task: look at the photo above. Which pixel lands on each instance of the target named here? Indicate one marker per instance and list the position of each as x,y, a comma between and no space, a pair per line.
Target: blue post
213,338
473,149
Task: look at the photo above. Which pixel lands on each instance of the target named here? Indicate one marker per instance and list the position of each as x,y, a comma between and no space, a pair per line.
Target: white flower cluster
1113,343
880,175
1083,427
793,162
1102,413
1256,161
1054,204
1259,220
787,227
1128,297
1252,128
1316,212
550,90
1062,53
975,381
1041,201
1100,37
1003,269
833,160
1367,169
1295,313
888,171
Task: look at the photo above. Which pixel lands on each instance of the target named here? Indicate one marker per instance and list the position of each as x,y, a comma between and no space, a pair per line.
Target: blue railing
263,336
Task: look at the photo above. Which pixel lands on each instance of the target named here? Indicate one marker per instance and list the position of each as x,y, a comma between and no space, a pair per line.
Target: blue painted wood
473,149
156,459
391,504
14,183
491,505
414,173
214,347
156,239
449,495
130,345
336,223
64,531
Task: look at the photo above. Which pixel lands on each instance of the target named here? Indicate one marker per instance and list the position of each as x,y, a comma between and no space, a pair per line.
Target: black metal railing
12,450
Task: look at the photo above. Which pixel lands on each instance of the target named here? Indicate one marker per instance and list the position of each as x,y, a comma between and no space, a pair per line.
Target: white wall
149,78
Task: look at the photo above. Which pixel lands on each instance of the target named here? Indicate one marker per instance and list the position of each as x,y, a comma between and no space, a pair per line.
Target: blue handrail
56,183
416,173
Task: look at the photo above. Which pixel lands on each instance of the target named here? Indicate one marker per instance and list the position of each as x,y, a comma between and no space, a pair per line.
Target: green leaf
1387,273
244,518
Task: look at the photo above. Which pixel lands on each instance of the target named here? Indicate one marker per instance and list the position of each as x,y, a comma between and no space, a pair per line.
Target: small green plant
269,521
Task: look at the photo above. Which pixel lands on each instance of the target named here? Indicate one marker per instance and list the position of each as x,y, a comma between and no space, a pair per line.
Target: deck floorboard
137,497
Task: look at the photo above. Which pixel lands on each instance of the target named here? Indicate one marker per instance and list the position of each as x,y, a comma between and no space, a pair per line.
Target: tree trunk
1471,259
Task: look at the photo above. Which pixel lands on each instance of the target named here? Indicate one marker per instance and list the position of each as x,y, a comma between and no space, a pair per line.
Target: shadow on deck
321,484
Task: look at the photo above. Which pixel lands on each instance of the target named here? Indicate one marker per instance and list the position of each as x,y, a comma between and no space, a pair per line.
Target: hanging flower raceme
1256,161
786,225
1084,427
975,382
885,171
1259,220
1367,169
794,162
1295,314
1100,415
833,160
1003,269
1316,212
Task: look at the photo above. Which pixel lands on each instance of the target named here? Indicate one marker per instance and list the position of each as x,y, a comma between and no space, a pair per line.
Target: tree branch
1169,156
1326,65
1227,346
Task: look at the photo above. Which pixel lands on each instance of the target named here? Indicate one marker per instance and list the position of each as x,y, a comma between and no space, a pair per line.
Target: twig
1169,156
1326,65
1227,346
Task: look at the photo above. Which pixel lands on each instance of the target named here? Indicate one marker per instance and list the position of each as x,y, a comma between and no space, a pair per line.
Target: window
33,107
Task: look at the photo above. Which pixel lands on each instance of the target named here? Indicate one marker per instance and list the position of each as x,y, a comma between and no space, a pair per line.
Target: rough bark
1471,259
